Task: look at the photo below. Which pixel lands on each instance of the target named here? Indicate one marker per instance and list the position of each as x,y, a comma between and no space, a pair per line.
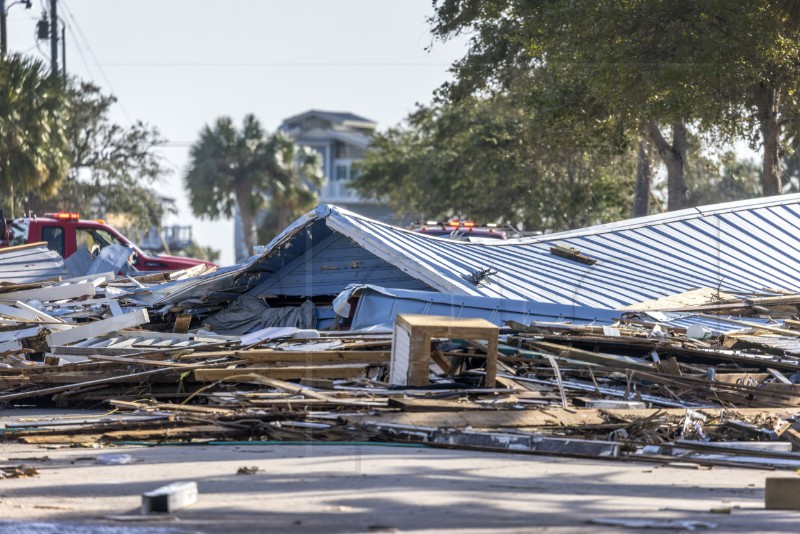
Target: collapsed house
648,339
742,248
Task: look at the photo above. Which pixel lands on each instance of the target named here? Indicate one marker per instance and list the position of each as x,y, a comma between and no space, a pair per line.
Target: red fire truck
66,233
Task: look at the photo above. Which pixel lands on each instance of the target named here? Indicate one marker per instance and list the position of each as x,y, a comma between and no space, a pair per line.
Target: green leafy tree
242,168
485,158
653,67
113,169
34,110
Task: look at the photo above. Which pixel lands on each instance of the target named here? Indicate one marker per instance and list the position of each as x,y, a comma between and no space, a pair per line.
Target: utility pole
53,38
3,31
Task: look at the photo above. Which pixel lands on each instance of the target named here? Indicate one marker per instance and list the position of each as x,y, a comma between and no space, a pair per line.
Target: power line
94,57
79,48
205,64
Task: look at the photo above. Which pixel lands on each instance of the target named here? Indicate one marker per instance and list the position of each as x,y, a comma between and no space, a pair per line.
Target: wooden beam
553,417
439,405
321,356
182,322
26,246
623,362
98,328
142,361
67,387
281,373
45,294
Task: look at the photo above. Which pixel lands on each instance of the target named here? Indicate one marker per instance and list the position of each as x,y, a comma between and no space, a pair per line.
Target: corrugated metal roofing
738,247
788,344
328,264
380,305
30,264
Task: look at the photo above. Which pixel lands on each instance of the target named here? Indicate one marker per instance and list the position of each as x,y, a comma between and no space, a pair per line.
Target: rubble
705,376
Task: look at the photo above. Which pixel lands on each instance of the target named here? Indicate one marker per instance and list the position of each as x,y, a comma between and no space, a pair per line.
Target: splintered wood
645,387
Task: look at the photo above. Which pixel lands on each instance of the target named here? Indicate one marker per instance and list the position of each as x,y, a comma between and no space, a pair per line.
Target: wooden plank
554,416
6,287
98,328
281,373
313,404
40,314
59,389
321,356
72,350
45,294
155,434
439,359
142,361
572,254
745,324
439,405
163,406
191,272
560,383
182,322
590,357
7,251
468,327
293,389
779,376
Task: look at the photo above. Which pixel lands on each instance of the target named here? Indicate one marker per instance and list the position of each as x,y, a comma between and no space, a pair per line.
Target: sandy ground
368,488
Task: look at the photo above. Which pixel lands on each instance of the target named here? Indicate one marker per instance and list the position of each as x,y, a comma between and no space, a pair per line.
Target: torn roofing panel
378,306
30,263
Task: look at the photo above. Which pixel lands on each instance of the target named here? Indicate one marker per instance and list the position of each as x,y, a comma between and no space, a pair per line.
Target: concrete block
169,498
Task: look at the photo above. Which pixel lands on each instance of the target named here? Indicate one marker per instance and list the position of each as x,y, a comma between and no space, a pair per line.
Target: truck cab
66,233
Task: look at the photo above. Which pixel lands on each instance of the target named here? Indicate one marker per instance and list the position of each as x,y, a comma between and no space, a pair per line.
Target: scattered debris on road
334,335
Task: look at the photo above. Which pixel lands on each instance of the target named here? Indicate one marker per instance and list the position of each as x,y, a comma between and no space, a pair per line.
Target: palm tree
298,176
34,154
232,167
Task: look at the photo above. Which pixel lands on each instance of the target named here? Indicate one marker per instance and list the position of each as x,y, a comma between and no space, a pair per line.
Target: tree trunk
767,101
245,203
644,176
674,157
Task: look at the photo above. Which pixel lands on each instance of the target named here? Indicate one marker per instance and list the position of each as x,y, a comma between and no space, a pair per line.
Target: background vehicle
66,233
466,230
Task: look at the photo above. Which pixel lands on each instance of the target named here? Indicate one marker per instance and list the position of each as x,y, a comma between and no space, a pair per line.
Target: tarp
248,314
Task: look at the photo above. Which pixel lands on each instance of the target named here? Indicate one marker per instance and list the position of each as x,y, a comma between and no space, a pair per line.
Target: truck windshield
95,239
19,232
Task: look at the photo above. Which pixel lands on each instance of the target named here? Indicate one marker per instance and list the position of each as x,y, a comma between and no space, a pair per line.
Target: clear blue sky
180,64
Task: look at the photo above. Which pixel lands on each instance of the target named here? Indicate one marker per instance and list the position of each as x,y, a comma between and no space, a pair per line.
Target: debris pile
709,376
